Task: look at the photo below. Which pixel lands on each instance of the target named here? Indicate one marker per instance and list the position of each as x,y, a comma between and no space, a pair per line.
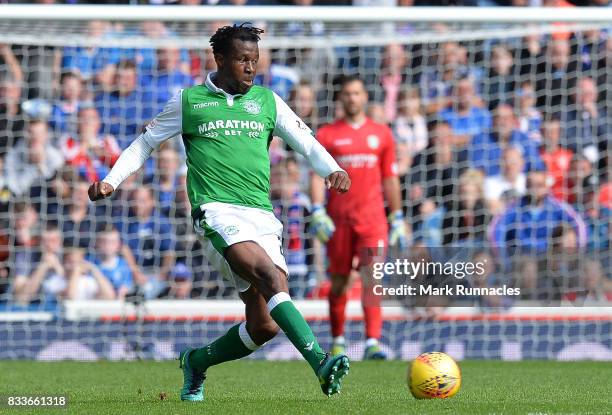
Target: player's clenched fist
338,180
99,190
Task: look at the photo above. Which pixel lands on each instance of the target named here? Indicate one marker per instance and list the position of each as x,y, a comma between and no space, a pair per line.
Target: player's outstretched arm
131,159
166,125
296,133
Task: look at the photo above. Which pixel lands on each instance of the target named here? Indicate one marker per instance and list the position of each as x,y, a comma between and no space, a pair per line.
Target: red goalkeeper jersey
367,153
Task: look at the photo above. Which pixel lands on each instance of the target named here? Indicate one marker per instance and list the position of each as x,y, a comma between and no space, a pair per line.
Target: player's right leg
240,341
250,261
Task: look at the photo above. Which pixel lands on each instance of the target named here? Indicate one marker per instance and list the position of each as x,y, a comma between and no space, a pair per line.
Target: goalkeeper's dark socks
290,320
234,344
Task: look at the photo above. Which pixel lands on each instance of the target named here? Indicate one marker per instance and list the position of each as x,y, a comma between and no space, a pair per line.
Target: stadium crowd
500,145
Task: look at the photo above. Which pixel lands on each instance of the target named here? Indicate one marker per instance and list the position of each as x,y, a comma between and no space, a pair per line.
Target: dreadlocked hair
223,38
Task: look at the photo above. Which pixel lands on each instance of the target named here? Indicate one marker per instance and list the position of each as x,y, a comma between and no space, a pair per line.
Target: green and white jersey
226,142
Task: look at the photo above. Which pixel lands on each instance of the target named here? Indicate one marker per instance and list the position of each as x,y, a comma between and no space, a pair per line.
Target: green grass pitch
259,387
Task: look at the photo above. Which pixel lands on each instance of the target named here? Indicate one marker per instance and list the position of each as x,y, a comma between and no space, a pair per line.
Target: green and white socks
291,321
235,344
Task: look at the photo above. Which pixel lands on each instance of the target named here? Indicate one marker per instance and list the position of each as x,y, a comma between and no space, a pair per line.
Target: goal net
501,125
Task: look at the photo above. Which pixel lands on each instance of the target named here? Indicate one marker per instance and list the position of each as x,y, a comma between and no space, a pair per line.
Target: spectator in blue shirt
590,47
126,109
587,126
37,271
526,227
168,78
556,74
146,58
150,236
109,261
291,207
529,117
436,83
168,184
499,82
466,116
279,78
180,283
92,63
78,218
65,110
486,148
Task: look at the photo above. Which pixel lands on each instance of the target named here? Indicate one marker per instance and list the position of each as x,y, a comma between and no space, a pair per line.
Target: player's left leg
240,341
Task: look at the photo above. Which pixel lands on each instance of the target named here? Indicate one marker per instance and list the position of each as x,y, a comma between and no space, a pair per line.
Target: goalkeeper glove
397,232
322,225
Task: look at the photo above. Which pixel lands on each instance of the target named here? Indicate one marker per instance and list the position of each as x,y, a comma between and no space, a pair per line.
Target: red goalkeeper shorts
364,241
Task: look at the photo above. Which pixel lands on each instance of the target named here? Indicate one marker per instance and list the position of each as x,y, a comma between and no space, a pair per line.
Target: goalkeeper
227,125
356,226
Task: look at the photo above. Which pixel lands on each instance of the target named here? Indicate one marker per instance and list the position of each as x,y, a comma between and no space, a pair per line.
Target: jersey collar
356,126
214,88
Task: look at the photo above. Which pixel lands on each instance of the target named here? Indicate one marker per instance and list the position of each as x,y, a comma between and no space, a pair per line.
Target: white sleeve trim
296,133
130,160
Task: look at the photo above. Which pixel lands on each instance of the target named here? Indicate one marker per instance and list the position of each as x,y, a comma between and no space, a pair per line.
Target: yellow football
434,375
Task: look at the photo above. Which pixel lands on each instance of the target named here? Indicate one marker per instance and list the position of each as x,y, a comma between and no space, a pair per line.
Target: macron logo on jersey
201,105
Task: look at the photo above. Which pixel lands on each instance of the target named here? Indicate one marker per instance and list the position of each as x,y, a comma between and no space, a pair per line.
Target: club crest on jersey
373,141
252,107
